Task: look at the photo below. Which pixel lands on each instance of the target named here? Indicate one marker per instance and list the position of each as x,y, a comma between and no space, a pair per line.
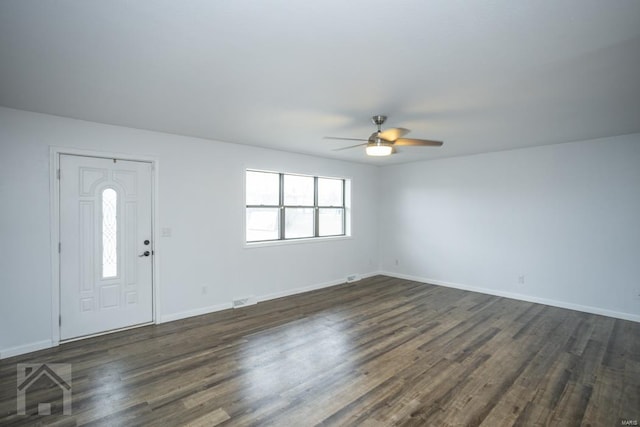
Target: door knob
145,253
146,242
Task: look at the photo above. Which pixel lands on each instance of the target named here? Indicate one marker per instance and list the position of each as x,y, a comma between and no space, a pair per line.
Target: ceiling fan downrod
378,121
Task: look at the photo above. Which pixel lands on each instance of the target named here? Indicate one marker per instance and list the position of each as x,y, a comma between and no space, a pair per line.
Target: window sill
253,245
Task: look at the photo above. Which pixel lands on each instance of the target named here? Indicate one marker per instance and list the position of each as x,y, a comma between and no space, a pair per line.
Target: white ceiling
480,75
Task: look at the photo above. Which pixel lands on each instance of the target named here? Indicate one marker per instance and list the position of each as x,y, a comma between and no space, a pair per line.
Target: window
109,233
285,206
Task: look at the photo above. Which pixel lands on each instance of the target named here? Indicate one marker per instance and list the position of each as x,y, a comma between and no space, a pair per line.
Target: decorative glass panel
263,224
298,190
298,223
331,222
330,192
109,233
263,188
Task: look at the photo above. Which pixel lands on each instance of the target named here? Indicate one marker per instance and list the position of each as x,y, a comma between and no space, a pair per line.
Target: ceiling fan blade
393,134
418,142
344,139
351,146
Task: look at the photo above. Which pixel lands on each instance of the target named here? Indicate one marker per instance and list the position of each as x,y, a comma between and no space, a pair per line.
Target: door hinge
59,247
60,320
58,173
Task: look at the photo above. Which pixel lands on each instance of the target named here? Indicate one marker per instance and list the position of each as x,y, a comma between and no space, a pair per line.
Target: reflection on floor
381,351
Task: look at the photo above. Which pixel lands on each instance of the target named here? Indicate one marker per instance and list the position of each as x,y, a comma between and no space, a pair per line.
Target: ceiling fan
383,142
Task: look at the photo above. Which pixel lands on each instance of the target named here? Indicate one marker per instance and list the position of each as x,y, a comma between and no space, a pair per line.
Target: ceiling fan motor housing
375,139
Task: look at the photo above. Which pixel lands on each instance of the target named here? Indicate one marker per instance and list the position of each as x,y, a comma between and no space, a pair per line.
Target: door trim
54,221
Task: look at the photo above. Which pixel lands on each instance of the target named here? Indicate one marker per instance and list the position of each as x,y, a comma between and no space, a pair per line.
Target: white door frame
54,207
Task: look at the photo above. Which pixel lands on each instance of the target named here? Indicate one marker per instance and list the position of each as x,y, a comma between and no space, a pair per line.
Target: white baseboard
26,348
317,286
274,295
521,297
194,312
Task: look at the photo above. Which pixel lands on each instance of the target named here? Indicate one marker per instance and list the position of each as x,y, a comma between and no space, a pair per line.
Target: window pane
109,233
298,190
263,188
331,222
298,223
330,192
262,224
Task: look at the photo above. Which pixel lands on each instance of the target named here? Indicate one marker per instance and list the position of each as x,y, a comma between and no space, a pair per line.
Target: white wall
200,199
565,216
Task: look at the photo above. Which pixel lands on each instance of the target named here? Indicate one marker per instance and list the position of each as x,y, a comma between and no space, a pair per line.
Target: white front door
106,249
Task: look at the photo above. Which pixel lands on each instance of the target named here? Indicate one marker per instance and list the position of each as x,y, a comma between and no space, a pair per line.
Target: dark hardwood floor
378,352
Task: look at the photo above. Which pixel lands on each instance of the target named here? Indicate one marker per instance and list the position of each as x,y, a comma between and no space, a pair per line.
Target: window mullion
281,201
316,211
344,208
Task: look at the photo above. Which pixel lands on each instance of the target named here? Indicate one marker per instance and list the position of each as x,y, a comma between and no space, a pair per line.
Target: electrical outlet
397,262
521,280
204,290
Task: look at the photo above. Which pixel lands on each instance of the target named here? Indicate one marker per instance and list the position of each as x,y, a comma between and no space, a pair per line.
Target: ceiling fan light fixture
379,150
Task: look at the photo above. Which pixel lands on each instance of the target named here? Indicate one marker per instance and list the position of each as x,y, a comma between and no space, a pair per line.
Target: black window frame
282,208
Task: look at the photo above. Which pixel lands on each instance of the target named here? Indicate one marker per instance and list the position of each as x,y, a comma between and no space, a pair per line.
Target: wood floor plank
210,419
379,352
